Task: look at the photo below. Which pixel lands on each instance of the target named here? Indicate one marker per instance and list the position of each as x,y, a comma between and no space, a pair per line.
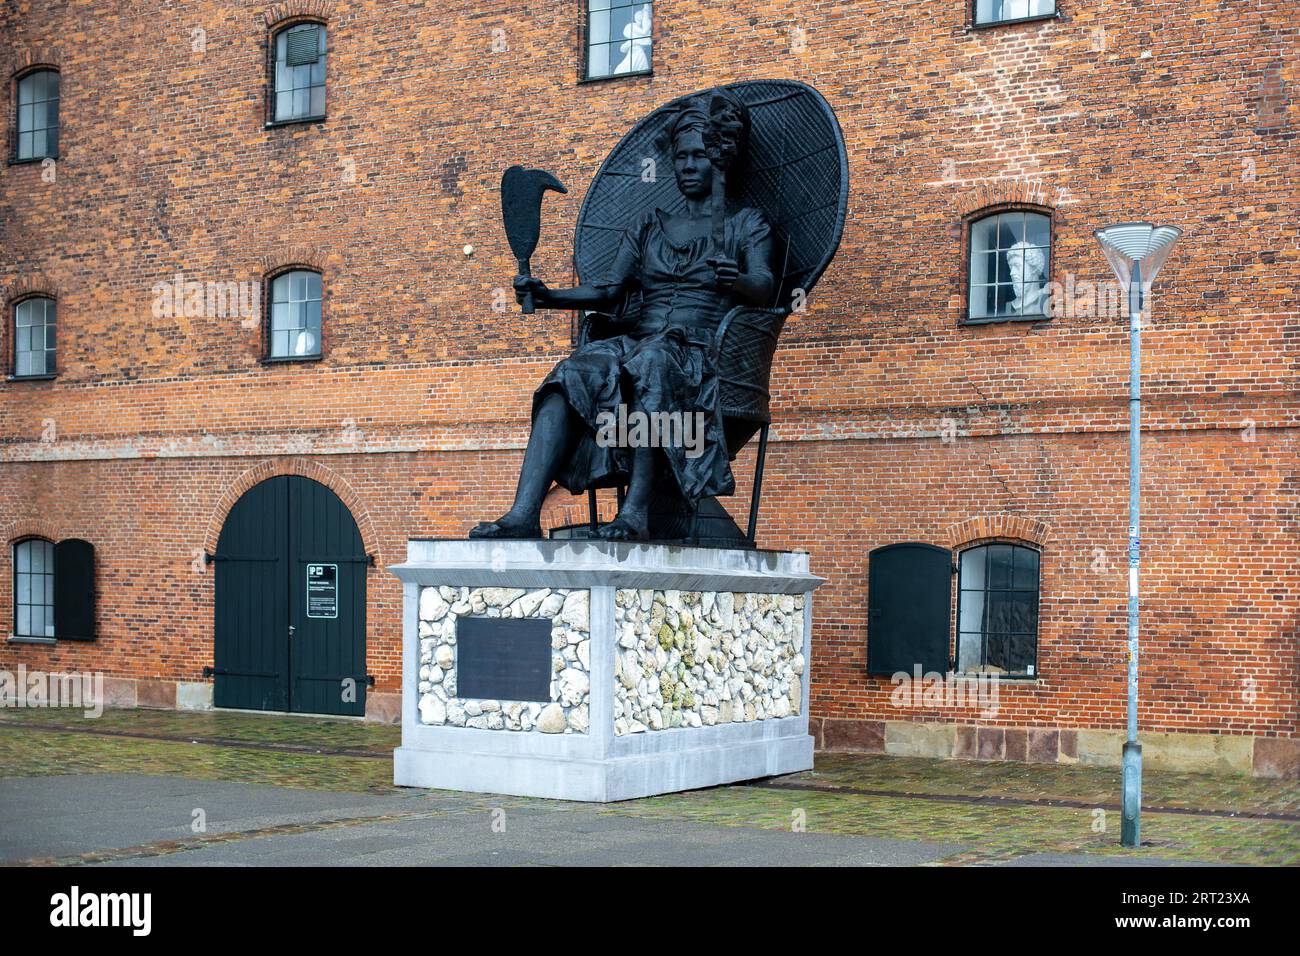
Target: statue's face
691,165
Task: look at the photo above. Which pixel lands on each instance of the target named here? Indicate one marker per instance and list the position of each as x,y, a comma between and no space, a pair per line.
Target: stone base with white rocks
670,668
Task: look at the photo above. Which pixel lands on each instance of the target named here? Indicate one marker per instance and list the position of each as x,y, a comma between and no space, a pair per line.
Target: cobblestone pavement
314,776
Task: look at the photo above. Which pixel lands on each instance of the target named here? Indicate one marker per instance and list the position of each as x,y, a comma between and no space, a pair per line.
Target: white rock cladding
702,658
569,612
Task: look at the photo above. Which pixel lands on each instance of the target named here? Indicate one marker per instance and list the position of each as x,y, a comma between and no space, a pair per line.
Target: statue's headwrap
722,121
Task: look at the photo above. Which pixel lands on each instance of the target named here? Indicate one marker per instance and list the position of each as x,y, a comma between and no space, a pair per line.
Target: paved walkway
141,788
143,820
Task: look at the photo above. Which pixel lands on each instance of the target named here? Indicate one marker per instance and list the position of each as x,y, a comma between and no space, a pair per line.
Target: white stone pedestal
675,668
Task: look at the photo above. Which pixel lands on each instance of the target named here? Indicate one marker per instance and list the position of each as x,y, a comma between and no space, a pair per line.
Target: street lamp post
1136,251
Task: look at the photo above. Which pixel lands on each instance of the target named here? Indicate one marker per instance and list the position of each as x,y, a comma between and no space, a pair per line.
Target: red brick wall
1181,111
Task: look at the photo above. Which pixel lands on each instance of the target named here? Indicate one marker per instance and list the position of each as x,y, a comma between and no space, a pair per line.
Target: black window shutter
909,609
74,590
302,46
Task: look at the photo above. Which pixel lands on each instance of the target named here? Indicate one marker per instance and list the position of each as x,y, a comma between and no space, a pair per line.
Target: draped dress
660,361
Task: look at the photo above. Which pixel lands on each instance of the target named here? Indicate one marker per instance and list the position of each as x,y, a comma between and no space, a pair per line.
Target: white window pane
972,569
298,287
24,623
317,97
24,556
313,285
598,28
971,611
300,100
1037,230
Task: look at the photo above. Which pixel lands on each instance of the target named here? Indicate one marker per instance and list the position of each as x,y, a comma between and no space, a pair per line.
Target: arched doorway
290,615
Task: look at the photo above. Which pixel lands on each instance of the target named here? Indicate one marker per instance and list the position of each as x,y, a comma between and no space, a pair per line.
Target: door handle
291,630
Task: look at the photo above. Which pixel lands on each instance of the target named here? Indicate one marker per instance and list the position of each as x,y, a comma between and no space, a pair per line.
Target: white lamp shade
1142,242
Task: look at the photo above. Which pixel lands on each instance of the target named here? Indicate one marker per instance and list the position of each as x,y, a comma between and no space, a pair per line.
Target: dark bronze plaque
503,658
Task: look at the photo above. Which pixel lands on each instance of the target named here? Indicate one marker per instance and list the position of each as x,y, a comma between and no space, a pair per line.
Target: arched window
1010,266
33,337
38,115
997,610
34,588
988,12
294,331
298,73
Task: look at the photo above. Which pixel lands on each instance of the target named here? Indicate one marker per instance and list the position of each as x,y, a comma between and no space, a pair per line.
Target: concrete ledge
600,780
1277,757
194,696
588,564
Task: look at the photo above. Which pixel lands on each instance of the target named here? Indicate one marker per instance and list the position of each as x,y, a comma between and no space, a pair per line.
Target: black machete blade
521,206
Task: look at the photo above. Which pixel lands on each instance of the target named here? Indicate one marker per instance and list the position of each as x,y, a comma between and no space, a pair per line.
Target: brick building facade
897,418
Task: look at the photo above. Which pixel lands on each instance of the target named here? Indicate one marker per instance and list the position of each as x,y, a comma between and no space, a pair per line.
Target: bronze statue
662,305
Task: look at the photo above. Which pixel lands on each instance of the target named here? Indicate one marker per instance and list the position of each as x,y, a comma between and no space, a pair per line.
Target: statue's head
709,129
1026,262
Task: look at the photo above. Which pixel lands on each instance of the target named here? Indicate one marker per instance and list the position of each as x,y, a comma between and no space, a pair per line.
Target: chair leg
593,515
757,493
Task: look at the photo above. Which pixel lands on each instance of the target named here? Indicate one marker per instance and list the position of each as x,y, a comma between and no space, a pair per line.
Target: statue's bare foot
509,525
626,526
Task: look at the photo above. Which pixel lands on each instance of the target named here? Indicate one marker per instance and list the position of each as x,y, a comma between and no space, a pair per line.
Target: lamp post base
1130,825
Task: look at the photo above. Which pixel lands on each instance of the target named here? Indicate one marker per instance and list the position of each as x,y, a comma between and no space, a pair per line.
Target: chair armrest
765,321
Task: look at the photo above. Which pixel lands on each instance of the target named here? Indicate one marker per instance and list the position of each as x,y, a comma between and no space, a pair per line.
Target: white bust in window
636,48
1028,267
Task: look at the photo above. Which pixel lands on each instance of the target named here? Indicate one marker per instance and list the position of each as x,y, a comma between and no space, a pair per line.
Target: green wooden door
290,612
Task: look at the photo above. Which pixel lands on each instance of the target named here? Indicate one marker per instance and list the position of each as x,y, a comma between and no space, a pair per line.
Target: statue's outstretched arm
594,298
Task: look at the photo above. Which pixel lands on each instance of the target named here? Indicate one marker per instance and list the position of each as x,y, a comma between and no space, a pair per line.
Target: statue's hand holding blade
521,210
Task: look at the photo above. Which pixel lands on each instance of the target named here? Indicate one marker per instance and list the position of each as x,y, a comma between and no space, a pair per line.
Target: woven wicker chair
796,171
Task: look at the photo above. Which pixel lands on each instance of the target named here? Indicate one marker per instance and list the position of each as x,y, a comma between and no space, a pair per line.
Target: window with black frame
997,610
618,37
37,126
1009,11
1010,266
34,588
298,82
295,317
34,337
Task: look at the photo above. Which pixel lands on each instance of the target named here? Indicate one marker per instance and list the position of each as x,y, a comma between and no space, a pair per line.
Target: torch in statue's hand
722,142
521,210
